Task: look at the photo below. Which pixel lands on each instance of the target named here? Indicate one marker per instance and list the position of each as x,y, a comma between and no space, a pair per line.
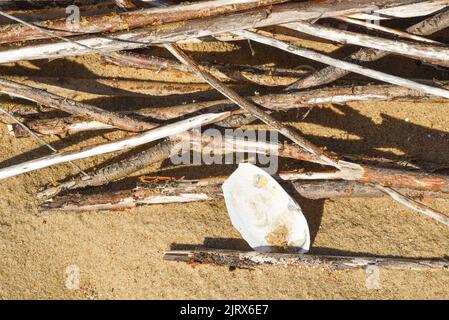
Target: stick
197,28
165,149
427,211
404,11
316,56
131,20
76,108
275,102
71,87
224,72
116,170
208,189
52,13
125,4
183,191
43,142
252,108
328,189
330,74
251,259
392,31
429,52
149,136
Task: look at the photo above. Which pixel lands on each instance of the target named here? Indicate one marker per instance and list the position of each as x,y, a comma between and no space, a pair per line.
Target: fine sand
119,254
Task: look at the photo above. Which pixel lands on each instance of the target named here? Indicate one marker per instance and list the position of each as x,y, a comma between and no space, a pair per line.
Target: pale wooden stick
316,56
374,26
149,136
428,52
330,74
415,205
251,259
419,9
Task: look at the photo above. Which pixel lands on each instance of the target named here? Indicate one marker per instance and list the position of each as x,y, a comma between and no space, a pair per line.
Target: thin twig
415,205
375,26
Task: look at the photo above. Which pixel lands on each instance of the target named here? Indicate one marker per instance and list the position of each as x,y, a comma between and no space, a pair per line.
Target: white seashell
264,214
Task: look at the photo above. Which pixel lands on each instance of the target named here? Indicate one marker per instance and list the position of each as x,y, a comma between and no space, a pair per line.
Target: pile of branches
113,29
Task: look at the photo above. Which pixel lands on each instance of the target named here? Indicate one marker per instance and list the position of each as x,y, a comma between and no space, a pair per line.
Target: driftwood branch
329,74
73,107
316,56
178,31
374,26
224,72
274,102
130,20
208,189
432,53
251,259
149,136
71,87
